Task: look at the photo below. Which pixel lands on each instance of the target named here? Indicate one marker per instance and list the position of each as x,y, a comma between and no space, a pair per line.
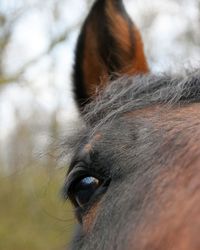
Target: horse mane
127,94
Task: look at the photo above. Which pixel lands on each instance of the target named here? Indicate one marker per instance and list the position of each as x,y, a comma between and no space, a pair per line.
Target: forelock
128,94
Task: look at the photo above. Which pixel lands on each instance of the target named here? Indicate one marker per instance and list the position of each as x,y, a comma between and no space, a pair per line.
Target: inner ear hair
109,45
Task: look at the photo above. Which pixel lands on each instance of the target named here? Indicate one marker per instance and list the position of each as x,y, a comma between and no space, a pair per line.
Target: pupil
85,189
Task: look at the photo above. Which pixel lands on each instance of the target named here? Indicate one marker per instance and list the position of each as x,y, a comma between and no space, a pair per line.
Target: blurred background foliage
37,40
32,214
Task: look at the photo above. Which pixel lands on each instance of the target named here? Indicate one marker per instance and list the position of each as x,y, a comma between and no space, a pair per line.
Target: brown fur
150,141
88,147
89,218
94,69
172,222
132,59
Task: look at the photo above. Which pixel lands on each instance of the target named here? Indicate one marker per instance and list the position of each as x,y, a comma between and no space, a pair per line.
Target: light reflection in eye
89,180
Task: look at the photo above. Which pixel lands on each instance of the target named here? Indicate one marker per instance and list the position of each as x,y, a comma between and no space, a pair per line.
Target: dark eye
83,190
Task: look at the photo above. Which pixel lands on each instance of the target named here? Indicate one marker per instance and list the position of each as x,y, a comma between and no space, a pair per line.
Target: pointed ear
109,44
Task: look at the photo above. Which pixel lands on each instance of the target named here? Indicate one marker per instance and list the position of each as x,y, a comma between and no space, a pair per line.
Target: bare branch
54,43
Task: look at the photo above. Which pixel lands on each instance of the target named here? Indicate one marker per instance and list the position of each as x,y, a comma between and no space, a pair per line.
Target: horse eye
84,189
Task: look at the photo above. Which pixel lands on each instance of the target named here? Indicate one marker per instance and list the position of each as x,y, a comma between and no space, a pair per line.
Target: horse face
134,178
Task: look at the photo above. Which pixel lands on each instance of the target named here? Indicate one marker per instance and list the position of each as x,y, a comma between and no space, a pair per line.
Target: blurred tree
21,142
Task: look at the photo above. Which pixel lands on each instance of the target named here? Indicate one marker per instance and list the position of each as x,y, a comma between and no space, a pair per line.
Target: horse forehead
160,115
161,119
168,118
165,111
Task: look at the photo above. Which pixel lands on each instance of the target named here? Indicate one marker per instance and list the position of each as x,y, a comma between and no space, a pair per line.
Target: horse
134,176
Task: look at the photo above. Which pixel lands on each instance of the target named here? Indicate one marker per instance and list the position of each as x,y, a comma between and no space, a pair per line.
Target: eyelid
77,172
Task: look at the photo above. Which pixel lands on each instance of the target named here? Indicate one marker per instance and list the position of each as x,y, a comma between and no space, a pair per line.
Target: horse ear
109,44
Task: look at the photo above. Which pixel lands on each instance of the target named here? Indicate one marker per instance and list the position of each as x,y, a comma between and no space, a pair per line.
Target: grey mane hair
127,94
